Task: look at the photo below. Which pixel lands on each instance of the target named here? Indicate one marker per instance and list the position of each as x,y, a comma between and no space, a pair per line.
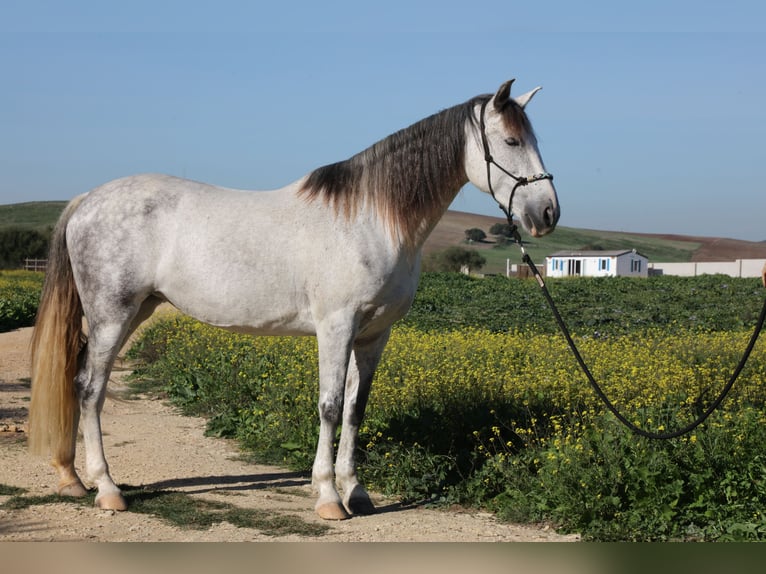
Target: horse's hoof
332,511
361,506
359,502
73,489
111,501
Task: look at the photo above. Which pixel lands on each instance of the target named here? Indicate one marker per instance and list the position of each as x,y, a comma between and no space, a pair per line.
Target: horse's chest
390,303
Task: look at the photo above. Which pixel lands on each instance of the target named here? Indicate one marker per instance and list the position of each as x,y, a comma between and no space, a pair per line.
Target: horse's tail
56,342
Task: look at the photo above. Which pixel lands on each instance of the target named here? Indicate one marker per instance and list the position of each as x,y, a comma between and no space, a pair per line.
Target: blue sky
651,117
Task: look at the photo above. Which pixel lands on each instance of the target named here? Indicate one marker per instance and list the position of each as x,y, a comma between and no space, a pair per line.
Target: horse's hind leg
69,482
104,342
101,350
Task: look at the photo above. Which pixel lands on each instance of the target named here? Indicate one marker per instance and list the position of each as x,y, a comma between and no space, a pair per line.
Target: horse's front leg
364,360
334,342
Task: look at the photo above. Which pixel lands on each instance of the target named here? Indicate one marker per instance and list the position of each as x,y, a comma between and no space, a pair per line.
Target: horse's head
506,163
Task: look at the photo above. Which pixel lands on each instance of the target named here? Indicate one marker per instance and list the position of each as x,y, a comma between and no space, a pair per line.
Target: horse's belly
246,314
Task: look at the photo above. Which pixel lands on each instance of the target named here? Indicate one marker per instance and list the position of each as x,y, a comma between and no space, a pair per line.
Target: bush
454,259
17,244
475,235
597,307
19,298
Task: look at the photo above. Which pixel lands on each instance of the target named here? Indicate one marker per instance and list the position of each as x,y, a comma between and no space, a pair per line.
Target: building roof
596,253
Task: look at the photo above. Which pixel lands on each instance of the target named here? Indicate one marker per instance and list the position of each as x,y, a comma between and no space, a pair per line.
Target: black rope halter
520,180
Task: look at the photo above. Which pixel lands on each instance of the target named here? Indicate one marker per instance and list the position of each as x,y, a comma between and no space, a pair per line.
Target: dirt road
149,445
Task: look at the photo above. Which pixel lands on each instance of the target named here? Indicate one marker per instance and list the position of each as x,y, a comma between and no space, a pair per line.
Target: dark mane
410,177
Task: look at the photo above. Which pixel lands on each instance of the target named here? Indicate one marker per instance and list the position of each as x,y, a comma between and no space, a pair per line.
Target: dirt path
149,445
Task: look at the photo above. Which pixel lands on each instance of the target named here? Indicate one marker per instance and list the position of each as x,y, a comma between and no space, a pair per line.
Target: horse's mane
410,177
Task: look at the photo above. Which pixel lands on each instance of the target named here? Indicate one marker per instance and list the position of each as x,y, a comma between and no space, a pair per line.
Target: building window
603,264
574,266
635,265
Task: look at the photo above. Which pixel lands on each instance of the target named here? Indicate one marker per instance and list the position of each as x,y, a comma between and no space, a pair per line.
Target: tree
454,259
503,229
474,234
17,243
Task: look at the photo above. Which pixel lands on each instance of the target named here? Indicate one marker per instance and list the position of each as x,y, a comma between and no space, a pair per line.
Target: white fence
35,264
736,268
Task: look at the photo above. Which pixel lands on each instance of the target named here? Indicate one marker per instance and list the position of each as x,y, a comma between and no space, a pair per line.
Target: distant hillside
657,247
34,214
451,231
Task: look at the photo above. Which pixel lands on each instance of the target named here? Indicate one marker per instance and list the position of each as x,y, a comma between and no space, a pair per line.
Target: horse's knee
330,411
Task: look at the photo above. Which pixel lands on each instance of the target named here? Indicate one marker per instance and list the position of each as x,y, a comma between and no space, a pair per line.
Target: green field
35,214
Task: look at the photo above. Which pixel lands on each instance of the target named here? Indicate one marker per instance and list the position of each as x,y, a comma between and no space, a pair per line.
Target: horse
335,255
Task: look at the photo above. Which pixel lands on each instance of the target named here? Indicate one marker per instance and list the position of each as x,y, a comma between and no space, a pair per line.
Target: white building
627,262
736,268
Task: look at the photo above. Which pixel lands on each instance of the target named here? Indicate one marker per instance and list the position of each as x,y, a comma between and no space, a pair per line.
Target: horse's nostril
548,216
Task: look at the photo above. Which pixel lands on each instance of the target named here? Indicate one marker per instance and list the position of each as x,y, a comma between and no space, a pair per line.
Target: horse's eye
513,142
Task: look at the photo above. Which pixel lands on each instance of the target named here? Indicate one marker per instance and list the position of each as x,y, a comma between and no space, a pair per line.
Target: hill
451,231
657,247
34,214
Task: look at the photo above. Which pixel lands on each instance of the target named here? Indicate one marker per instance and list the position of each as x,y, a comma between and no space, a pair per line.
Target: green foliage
453,259
17,244
475,235
19,298
612,486
501,229
40,215
25,230
591,306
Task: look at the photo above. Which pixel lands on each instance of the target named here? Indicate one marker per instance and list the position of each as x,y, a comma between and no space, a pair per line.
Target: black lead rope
521,181
597,388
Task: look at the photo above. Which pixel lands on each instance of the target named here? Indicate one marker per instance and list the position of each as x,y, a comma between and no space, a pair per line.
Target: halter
520,180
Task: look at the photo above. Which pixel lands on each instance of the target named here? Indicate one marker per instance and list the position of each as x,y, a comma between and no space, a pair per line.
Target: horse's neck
432,219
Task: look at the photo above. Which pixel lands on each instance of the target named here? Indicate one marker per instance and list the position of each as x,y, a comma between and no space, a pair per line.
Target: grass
34,214
7,490
185,511
181,510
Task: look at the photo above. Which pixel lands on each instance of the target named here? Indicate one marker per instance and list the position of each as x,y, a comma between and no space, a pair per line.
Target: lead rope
521,181
597,388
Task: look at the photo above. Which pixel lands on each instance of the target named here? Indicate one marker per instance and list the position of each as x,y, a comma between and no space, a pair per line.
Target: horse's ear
523,99
502,95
